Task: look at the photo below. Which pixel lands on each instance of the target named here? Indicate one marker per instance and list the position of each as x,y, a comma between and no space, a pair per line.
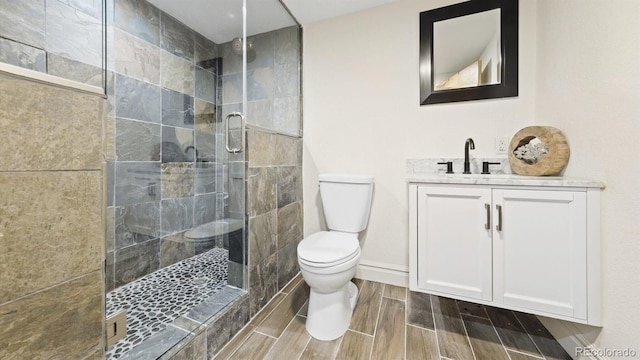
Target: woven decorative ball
551,163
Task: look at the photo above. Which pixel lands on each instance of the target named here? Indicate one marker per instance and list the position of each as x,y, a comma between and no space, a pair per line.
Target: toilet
328,259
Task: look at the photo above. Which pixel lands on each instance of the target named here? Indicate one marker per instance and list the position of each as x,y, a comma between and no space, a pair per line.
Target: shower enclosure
185,80
161,169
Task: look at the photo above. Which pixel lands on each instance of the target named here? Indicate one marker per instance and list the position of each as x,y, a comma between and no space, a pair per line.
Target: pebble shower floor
155,300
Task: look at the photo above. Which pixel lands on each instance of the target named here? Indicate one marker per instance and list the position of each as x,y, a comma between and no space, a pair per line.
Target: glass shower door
176,184
231,141
187,77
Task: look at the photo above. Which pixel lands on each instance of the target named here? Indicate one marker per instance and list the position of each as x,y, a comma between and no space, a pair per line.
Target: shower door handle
226,133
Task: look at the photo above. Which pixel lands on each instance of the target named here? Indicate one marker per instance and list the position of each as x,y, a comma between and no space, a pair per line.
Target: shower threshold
165,307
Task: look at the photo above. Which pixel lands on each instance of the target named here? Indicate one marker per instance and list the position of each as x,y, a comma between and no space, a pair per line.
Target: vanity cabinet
531,249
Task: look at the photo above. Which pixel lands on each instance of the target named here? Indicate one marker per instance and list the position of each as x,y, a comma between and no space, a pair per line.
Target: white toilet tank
346,201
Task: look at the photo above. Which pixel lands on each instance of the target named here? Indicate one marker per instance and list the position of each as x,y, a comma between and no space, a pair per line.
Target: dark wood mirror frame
508,44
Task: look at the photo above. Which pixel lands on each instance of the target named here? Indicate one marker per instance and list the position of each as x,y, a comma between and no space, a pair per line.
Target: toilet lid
328,247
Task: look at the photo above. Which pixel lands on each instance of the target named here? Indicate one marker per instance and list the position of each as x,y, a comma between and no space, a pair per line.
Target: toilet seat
328,248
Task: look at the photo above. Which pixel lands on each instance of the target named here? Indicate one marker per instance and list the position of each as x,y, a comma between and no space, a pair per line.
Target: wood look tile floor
391,322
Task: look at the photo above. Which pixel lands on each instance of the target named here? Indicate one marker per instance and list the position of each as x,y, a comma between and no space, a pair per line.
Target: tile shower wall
161,98
61,38
164,95
275,228
275,213
168,167
51,243
164,175
273,81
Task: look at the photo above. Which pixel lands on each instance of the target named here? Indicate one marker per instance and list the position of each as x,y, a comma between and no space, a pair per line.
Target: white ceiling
221,20
308,11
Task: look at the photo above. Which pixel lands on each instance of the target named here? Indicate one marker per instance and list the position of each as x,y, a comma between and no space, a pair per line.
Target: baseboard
383,272
568,336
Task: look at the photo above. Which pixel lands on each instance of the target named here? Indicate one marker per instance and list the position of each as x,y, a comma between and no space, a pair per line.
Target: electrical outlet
501,145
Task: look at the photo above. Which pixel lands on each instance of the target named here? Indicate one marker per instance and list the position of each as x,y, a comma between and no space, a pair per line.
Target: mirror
466,51
469,51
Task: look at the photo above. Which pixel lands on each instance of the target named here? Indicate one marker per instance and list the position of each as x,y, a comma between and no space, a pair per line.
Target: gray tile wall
273,80
62,38
274,201
163,175
171,87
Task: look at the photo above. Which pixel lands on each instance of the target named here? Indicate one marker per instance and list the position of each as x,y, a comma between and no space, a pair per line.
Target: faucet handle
449,166
485,166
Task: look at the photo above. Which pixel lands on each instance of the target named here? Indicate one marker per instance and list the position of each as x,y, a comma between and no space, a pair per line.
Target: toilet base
329,314
353,294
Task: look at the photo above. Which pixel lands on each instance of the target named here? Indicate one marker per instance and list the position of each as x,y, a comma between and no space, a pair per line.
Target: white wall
362,115
588,85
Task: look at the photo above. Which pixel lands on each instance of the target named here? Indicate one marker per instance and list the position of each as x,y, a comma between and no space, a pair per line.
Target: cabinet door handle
487,225
499,226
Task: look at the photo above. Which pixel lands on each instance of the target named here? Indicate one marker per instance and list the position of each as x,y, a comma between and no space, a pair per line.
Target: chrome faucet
468,145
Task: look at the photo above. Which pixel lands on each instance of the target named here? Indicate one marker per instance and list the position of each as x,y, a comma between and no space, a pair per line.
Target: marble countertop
502,179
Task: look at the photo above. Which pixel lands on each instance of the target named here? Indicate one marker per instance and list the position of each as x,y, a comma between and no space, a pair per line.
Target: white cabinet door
540,252
454,244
